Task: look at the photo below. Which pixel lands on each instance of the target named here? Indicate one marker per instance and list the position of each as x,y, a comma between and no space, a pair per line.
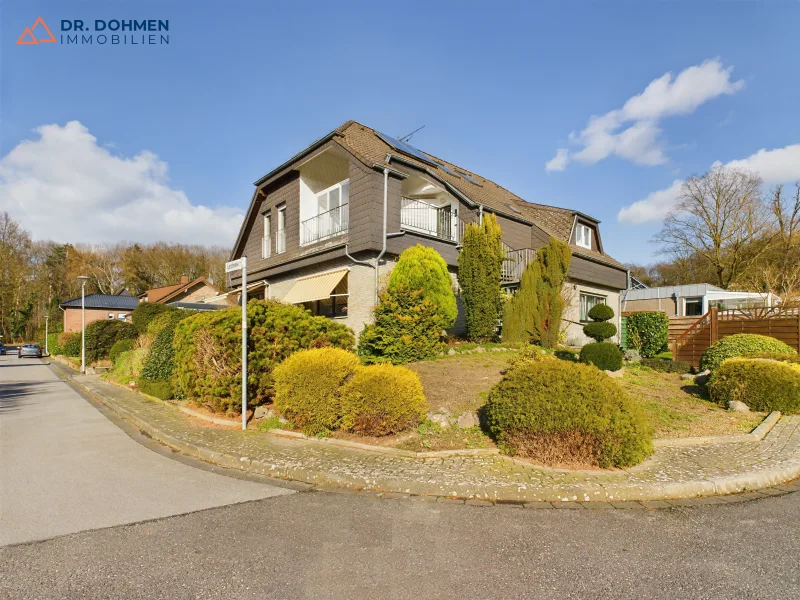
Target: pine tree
480,266
422,268
534,313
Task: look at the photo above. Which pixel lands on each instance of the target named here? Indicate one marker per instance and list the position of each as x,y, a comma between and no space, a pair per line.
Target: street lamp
83,279
46,333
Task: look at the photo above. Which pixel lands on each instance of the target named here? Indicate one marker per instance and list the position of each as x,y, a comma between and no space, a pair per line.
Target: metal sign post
235,265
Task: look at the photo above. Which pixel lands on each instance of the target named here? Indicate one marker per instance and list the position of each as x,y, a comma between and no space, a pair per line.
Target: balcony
416,215
325,225
515,263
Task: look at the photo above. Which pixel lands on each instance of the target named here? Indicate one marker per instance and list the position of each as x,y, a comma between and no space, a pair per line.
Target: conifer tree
480,266
422,268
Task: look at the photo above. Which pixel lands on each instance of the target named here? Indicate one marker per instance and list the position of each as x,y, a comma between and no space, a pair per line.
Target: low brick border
662,495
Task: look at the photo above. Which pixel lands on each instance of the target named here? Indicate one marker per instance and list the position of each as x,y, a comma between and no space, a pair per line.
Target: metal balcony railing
325,225
515,263
280,241
426,218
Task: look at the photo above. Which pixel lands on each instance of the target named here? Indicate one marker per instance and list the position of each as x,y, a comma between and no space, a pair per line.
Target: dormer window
583,236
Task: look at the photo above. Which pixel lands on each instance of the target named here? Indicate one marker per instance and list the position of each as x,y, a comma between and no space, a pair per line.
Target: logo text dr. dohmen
115,31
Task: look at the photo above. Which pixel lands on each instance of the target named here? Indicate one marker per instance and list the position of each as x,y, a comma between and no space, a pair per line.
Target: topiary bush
208,350
70,343
422,268
145,312
740,345
102,335
665,365
119,347
407,328
601,312
604,356
762,384
307,386
160,389
648,332
600,330
561,413
160,363
382,399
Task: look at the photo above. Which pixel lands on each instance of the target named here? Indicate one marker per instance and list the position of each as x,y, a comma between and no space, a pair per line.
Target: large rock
616,374
263,412
738,406
467,419
480,349
702,377
451,352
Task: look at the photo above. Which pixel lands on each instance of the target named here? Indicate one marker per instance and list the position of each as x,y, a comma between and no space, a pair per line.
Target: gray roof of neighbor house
103,301
372,149
682,291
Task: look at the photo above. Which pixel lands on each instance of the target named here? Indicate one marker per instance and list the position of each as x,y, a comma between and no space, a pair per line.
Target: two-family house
325,228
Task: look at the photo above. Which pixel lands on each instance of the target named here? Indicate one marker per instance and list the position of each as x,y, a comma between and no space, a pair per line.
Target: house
193,291
98,307
325,228
691,300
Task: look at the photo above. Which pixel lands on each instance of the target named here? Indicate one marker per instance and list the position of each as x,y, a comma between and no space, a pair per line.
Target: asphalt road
320,545
65,468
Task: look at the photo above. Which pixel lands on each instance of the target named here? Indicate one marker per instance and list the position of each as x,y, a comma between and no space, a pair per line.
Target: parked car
31,350
2,349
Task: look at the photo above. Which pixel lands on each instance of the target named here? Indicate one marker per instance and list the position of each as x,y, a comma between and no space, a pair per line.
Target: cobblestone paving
685,472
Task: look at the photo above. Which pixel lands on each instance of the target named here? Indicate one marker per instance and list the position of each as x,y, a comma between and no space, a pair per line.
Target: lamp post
46,333
83,279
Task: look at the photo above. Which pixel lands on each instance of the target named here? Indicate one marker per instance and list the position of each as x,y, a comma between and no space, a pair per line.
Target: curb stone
328,482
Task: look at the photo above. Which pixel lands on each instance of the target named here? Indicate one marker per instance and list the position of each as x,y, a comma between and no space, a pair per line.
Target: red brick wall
72,316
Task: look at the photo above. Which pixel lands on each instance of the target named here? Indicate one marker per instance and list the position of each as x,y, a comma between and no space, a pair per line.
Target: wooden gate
776,321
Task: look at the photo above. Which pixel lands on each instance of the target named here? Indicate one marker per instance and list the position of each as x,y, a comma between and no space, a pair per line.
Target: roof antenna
407,137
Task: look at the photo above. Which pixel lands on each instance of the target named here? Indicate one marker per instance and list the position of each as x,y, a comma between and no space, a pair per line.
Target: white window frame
583,236
280,231
326,192
266,243
111,316
122,316
584,318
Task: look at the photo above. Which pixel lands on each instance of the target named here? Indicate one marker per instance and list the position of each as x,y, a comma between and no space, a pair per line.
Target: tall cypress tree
534,313
480,266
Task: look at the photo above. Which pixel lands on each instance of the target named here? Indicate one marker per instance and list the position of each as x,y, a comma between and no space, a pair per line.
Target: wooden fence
777,322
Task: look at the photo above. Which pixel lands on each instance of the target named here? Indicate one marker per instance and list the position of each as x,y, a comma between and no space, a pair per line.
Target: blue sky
184,129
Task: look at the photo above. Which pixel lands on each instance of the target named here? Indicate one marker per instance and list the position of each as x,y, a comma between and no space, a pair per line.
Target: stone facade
72,316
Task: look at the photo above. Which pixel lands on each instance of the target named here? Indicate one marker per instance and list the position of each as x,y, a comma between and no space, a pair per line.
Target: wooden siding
583,269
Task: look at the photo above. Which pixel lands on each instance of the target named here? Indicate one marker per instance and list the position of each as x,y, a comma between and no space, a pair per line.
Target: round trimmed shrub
740,345
601,312
423,268
790,357
383,399
145,312
648,332
307,386
561,413
101,335
762,384
604,356
118,348
600,330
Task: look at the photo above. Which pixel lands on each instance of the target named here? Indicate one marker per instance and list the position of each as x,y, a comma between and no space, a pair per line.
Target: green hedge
601,312
159,389
790,357
208,350
600,330
762,384
70,343
604,356
119,347
667,366
741,344
145,312
53,347
102,335
648,332
407,328
562,413
160,363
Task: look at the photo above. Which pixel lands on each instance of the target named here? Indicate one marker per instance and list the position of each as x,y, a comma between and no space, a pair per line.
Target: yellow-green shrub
382,399
307,387
128,365
762,384
558,412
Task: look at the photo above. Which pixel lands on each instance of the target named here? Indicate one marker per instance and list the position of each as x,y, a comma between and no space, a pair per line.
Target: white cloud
64,186
781,165
633,132
558,162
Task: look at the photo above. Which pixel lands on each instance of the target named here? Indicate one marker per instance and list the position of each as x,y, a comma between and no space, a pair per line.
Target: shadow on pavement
12,395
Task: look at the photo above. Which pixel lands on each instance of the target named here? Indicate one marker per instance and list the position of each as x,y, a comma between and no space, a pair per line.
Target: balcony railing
426,218
280,241
515,263
325,225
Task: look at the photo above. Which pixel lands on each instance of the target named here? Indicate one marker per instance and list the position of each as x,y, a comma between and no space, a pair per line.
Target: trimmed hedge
762,384
382,399
160,389
604,356
307,387
740,345
102,335
118,348
145,312
70,343
557,413
160,363
422,268
407,328
53,347
208,350
666,365
648,332
601,312
129,365
600,330
790,357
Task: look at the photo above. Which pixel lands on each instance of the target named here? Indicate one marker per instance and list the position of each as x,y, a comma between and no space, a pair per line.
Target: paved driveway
64,467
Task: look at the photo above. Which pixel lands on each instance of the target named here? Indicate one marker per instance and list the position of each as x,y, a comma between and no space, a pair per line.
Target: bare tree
722,217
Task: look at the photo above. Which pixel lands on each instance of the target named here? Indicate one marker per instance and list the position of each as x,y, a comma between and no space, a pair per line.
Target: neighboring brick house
99,307
193,291
315,227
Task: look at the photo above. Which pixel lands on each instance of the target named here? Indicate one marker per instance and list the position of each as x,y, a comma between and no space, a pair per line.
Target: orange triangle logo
32,39
40,21
23,41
